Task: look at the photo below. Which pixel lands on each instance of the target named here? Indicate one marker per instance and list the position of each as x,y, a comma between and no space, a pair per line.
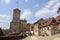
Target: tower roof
16,9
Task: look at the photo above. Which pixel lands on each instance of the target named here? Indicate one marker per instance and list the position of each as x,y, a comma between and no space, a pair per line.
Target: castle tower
15,23
16,15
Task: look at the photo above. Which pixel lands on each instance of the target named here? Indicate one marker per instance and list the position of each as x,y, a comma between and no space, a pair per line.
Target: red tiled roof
46,22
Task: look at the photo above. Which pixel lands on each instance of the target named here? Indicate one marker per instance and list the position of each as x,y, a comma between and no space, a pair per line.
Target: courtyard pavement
54,37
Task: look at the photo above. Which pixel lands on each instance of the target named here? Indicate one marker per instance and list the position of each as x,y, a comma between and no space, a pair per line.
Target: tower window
15,24
14,30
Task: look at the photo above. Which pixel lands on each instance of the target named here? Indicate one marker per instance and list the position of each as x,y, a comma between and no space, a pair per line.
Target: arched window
47,28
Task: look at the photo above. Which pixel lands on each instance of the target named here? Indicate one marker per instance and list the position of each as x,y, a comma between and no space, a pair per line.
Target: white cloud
49,10
6,1
4,21
4,25
50,3
4,16
26,14
26,0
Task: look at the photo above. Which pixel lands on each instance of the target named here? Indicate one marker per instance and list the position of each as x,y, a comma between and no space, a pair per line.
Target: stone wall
36,29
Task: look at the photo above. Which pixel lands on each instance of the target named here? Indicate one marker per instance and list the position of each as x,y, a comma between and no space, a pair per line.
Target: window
39,24
58,20
59,31
41,29
14,30
48,28
54,21
45,22
42,23
54,27
15,24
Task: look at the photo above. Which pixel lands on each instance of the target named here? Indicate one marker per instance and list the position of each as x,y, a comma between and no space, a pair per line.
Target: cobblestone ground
55,37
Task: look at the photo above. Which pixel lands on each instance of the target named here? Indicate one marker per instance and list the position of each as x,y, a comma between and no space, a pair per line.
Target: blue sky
31,10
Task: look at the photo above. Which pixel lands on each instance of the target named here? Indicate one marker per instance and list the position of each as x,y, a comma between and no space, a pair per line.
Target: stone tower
15,23
16,15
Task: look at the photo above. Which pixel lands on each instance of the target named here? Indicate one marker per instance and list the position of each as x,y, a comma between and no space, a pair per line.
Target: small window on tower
15,24
14,30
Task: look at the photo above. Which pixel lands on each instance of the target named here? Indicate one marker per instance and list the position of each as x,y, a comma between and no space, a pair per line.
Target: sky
31,10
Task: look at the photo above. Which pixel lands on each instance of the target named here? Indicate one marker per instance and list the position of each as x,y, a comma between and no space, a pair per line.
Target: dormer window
54,21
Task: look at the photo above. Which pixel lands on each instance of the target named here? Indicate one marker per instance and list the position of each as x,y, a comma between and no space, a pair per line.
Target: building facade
47,27
42,27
